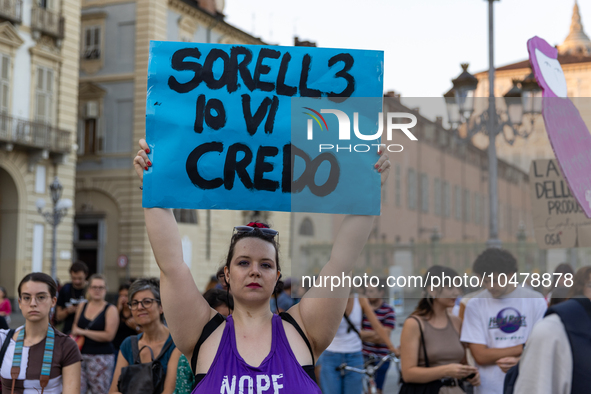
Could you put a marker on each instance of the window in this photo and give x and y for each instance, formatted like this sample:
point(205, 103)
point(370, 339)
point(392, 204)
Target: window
point(44, 95)
point(397, 182)
point(437, 196)
point(92, 141)
point(306, 227)
point(412, 189)
point(424, 193)
point(446, 199)
point(458, 198)
point(466, 205)
point(92, 43)
point(4, 90)
point(185, 215)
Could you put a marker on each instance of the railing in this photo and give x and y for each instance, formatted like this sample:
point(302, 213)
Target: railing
point(11, 10)
point(33, 135)
point(47, 22)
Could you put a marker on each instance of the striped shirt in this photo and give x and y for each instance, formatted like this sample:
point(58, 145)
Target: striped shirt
point(386, 316)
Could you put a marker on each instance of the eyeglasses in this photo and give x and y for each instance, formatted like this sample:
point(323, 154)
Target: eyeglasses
point(41, 298)
point(146, 303)
point(97, 287)
point(248, 229)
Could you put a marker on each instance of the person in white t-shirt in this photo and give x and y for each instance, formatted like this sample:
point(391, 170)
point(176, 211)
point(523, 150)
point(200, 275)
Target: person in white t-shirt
point(499, 320)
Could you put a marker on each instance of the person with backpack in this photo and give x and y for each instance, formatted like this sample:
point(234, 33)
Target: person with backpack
point(147, 362)
point(36, 358)
point(556, 356)
point(71, 295)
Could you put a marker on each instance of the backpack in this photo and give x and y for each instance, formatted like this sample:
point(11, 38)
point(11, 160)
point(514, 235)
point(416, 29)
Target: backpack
point(147, 378)
point(4, 347)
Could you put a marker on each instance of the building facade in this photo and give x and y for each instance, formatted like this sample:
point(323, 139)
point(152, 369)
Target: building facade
point(38, 118)
point(109, 222)
point(574, 55)
point(434, 206)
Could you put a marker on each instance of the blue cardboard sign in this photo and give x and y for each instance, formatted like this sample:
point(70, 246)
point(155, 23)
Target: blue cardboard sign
point(221, 126)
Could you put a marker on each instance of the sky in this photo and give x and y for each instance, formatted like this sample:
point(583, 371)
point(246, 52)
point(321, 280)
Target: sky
point(424, 41)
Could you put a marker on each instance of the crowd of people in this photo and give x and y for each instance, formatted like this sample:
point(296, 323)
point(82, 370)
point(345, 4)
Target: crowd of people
point(246, 332)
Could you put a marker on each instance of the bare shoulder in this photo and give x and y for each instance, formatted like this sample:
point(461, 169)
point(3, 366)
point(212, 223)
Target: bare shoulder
point(412, 323)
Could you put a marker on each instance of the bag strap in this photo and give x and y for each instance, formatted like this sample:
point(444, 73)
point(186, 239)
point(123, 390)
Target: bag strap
point(5, 345)
point(135, 351)
point(165, 348)
point(289, 318)
point(351, 326)
point(422, 342)
point(208, 329)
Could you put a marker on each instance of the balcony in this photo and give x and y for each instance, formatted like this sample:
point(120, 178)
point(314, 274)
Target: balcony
point(47, 22)
point(11, 10)
point(33, 136)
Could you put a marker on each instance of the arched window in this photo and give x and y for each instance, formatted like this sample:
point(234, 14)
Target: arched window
point(306, 227)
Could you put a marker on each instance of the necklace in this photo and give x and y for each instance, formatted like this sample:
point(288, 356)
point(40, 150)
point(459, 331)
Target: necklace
point(47, 358)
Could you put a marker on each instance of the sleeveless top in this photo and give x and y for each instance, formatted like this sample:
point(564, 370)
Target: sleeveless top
point(443, 345)
point(98, 324)
point(280, 372)
point(346, 340)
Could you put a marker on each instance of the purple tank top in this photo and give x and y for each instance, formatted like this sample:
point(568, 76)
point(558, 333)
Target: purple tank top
point(279, 373)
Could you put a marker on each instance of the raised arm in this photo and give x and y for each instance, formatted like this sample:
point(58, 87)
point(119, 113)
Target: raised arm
point(186, 310)
point(321, 309)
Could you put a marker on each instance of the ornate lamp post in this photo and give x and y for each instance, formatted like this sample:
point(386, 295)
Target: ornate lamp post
point(54, 217)
point(460, 107)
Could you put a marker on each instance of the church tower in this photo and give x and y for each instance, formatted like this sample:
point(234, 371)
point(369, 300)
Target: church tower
point(577, 42)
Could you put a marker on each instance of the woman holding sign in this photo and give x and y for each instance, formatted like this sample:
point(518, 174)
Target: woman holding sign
point(252, 350)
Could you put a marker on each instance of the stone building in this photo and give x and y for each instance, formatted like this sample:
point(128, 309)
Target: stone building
point(109, 222)
point(39, 44)
point(434, 206)
point(574, 55)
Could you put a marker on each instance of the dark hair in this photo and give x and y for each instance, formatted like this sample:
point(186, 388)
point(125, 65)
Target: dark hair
point(562, 268)
point(141, 284)
point(260, 235)
point(559, 295)
point(218, 297)
point(425, 305)
point(124, 286)
point(579, 281)
point(39, 277)
point(3, 291)
point(79, 266)
point(495, 260)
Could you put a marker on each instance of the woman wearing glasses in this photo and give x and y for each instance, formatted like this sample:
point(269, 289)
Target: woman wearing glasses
point(97, 321)
point(252, 350)
point(49, 360)
point(146, 309)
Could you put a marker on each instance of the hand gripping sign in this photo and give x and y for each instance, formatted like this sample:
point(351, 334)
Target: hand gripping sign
point(220, 128)
point(567, 132)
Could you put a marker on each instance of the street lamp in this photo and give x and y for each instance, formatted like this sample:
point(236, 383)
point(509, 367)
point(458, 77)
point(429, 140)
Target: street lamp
point(519, 102)
point(54, 217)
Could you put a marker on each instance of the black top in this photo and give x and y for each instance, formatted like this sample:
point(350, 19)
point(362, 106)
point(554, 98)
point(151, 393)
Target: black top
point(218, 319)
point(69, 295)
point(98, 324)
point(122, 332)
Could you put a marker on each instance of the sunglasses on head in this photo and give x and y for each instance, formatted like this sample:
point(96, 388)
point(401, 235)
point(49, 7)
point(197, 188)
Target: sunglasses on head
point(248, 229)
